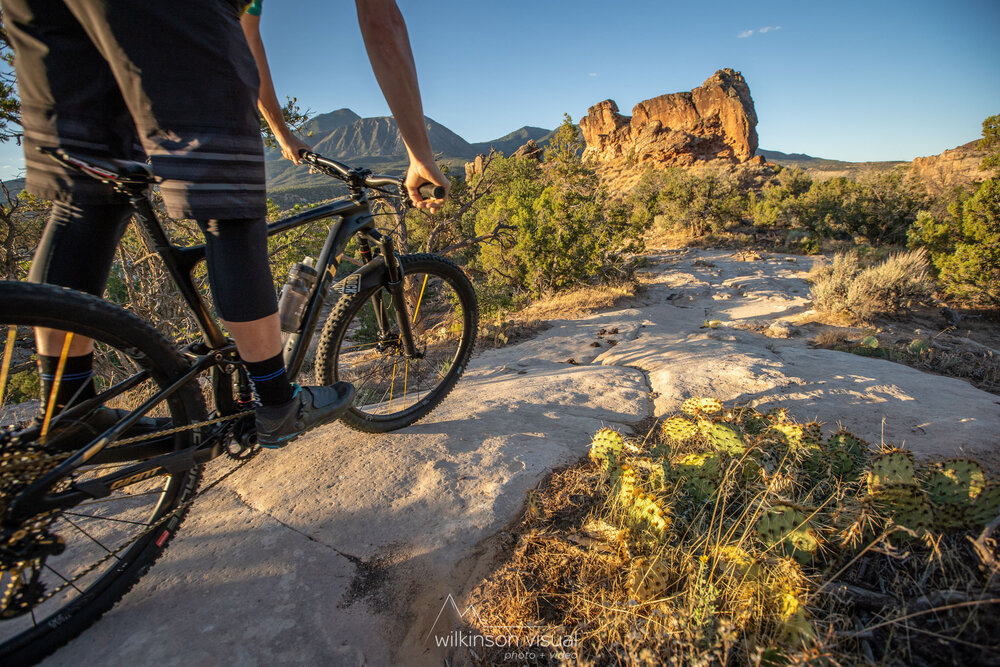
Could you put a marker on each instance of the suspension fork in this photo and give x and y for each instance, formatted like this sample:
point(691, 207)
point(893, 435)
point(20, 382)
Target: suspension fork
point(394, 283)
point(378, 306)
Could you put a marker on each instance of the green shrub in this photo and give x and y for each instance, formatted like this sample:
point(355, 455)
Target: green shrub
point(967, 247)
point(566, 228)
point(964, 245)
point(848, 286)
point(696, 203)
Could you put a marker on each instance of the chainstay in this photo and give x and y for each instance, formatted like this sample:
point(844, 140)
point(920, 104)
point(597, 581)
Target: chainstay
point(128, 441)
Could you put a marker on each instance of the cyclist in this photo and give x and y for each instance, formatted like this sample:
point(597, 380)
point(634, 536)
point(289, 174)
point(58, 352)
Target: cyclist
point(177, 82)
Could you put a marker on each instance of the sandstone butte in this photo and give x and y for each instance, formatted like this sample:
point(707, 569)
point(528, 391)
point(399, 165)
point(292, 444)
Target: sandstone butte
point(714, 123)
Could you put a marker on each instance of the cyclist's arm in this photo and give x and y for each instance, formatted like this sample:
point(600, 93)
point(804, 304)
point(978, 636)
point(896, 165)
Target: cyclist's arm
point(388, 45)
point(267, 100)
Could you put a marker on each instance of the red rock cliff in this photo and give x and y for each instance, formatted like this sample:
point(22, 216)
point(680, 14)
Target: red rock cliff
point(716, 121)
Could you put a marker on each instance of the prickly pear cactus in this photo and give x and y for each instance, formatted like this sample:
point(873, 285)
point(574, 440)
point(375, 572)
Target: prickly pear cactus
point(986, 508)
point(606, 446)
point(678, 429)
point(695, 407)
point(955, 482)
point(700, 473)
point(725, 437)
point(648, 579)
point(738, 563)
point(535, 508)
point(627, 484)
point(752, 422)
point(849, 443)
point(787, 526)
point(905, 504)
point(792, 434)
point(919, 346)
point(646, 508)
point(793, 622)
point(892, 467)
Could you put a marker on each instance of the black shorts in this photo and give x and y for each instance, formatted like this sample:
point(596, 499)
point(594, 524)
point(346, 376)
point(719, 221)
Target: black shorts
point(173, 80)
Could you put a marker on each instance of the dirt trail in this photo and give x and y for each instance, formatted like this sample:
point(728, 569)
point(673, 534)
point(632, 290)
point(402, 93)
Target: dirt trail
point(343, 548)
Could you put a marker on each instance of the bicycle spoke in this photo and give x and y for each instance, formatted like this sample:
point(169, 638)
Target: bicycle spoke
point(106, 518)
point(68, 581)
point(92, 538)
point(119, 498)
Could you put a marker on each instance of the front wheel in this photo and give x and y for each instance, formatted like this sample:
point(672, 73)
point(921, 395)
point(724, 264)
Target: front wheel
point(361, 344)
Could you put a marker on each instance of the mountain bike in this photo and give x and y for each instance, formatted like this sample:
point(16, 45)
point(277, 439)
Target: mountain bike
point(80, 523)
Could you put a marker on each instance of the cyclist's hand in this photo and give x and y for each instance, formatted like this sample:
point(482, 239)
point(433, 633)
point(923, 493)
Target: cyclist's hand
point(290, 147)
point(420, 173)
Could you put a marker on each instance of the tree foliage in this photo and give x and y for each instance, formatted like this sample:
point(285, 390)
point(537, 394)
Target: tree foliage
point(991, 143)
point(964, 245)
point(566, 229)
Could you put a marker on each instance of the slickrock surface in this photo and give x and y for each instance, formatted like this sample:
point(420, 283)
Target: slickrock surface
point(342, 548)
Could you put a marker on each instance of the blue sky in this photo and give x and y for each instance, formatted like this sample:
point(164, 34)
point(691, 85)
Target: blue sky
point(875, 80)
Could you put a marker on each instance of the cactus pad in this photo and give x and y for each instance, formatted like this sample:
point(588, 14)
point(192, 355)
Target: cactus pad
point(905, 504)
point(679, 429)
point(987, 506)
point(534, 502)
point(725, 437)
point(790, 433)
point(645, 507)
point(848, 442)
point(606, 446)
point(893, 467)
point(955, 482)
point(787, 526)
point(700, 473)
point(794, 624)
point(628, 481)
point(701, 406)
point(919, 346)
point(648, 579)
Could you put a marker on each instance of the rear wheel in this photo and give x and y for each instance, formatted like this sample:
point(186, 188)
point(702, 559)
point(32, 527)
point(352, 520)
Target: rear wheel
point(361, 344)
point(48, 595)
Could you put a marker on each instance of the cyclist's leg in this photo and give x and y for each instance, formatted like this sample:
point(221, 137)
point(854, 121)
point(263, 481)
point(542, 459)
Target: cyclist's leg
point(198, 121)
point(54, 59)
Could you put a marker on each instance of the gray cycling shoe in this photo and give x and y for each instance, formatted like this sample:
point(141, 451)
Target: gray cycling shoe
point(278, 425)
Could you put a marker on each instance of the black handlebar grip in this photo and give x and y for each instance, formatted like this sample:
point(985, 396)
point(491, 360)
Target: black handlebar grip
point(431, 191)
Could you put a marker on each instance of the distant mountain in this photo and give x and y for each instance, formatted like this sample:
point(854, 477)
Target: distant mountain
point(374, 143)
point(13, 186)
point(328, 122)
point(509, 143)
point(834, 167)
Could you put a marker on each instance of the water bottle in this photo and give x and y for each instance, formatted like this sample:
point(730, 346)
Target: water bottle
point(292, 303)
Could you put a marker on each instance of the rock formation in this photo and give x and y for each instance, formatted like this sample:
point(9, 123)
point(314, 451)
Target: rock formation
point(952, 168)
point(715, 123)
point(529, 151)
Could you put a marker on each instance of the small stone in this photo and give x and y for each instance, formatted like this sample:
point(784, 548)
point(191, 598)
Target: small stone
point(778, 330)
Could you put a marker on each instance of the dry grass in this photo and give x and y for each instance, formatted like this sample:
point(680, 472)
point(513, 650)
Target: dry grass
point(509, 328)
point(858, 580)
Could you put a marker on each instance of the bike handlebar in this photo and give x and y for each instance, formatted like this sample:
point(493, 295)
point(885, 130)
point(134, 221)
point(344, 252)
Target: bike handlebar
point(342, 171)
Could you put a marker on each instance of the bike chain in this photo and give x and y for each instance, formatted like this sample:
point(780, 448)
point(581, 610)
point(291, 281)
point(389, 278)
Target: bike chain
point(20, 597)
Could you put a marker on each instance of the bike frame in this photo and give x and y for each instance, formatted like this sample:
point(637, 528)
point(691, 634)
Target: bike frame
point(217, 353)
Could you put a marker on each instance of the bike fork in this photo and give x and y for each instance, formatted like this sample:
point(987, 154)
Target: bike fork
point(394, 283)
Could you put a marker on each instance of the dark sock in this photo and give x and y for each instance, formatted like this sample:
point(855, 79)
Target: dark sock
point(77, 377)
point(270, 382)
